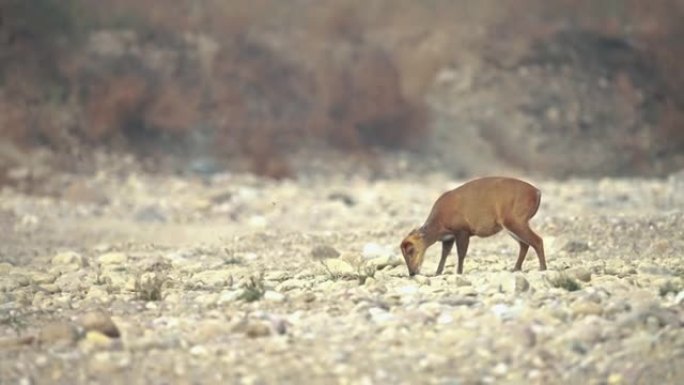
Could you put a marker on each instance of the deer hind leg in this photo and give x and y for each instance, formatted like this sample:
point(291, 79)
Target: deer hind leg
point(521, 255)
point(462, 241)
point(526, 237)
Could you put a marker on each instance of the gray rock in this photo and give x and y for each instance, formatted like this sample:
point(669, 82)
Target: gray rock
point(324, 252)
point(521, 284)
point(576, 247)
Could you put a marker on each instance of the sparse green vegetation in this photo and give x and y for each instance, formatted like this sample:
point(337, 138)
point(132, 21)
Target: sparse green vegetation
point(564, 281)
point(149, 286)
point(254, 290)
point(670, 287)
point(366, 271)
point(14, 320)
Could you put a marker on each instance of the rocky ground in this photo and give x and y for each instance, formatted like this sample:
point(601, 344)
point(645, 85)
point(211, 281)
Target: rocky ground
point(127, 277)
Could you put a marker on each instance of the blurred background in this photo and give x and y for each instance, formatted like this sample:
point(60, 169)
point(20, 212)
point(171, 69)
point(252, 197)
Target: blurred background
point(285, 88)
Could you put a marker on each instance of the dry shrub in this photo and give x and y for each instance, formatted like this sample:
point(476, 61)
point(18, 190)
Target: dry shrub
point(13, 118)
point(174, 108)
point(113, 103)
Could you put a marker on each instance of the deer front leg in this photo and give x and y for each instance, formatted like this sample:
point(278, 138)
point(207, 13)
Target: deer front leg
point(446, 249)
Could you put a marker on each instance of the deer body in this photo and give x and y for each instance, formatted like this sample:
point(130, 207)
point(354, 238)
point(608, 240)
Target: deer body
point(482, 208)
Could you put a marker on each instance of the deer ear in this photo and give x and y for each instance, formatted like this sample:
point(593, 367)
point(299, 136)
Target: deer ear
point(407, 248)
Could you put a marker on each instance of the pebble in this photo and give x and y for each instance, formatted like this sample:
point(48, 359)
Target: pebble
point(38, 277)
point(373, 250)
point(257, 329)
point(69, 258)
point(380, 263)
point(294, 283)
point(109, 362)
point(580, 273)
point(274, 296)
point(95, 340)
point(324, 252)
point(112, 258)
point(521, 284)
point(100, 322)
point(582, 308)
point(228, 296)
point(5, 268)
point(338, 268)
point(212, 279)
point(99, 294)
point(576, 247)
point(58, 332)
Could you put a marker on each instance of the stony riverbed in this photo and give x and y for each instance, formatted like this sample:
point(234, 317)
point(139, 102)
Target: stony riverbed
point(127, 277)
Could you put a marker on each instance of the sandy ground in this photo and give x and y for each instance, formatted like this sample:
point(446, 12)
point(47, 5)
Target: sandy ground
point(125, 277)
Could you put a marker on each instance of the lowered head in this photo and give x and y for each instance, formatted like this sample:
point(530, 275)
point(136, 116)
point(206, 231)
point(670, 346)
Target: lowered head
point(413, 248)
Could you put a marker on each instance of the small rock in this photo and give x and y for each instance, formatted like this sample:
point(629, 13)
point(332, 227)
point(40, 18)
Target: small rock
point(307, 297)
point(109, 362)
point(59, 332)
point(421, 279)
point(582, 308)
point(13, 342)
point(117, 281)
point(521, 284)
point(338, 268)
point(407, 290)
point(256, 329)
point(199, 350)
point(679, 298)
point(503, 311)
point(69, 258)
point(458, 281)
point(151, 213)
point(38, 277)
point(278, 276)
point(112, 258)
point(373, 250)
point(292, 284)
point(580, 273)
point(5, 268)
point(50, 288)
point(342, 197)
point(576, 247)
point(99, 294)
point(324, 252)
point(212, 279)
point(100, 322)
point(96, 340)
point(383, 262)
point(380, 315)
point(274, 296)
point(228, 296)
point(207, 300)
